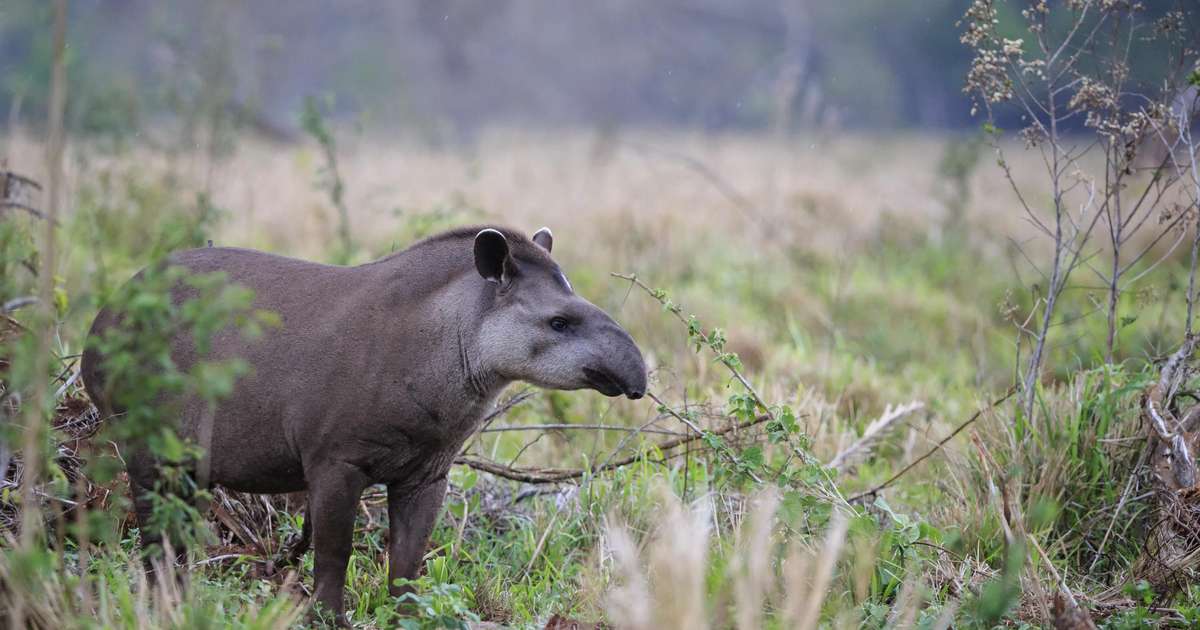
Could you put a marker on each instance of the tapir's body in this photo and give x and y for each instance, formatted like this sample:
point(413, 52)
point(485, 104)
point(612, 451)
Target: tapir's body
point(365, 368)
point(379, 373)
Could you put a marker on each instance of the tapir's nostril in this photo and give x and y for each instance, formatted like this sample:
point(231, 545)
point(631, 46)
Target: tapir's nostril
point(635, 395)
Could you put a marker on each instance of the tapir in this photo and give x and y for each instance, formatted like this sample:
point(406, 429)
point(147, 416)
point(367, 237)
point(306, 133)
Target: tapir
point(377, 374)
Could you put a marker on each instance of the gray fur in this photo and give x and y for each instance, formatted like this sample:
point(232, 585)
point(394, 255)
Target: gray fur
point(379, 373)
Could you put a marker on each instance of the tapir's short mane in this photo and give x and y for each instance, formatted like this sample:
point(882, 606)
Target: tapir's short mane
point(519, 245)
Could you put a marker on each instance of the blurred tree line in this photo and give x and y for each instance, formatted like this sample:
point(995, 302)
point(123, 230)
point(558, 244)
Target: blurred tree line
point(456, 65)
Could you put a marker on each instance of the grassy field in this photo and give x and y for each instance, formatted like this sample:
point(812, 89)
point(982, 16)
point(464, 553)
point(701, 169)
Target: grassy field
point(852, 276)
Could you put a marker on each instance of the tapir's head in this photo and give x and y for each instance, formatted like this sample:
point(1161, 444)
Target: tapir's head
point(535, 328)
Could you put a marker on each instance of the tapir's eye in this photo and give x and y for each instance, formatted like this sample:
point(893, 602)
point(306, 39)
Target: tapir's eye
point(558, 323)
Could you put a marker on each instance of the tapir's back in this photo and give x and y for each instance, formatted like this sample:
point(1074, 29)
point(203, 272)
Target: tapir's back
point(287, 287)
point(289, 364)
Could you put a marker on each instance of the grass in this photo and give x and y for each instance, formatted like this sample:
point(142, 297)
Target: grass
point(840, 282)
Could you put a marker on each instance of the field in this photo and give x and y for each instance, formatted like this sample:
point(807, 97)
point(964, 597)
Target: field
point(869, 286)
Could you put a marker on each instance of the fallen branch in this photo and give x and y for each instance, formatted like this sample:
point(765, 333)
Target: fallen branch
point(936, 447)
point(578, 427)
point(1170, 556)
point(17, 303)
point(557, 475)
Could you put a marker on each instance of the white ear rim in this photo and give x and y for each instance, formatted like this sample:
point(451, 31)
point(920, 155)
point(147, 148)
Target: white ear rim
point(493, 231)
point(503, 238)
point(549, 238)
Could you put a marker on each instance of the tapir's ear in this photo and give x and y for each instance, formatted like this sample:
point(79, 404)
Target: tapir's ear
point(544, 238)
point(491, 256)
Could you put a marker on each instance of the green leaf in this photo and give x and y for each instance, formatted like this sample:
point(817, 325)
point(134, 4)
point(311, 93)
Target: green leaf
point(753, 457)
point(712, 441)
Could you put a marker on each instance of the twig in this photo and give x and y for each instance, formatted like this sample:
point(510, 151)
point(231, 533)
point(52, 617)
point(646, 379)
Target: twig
point(698, 430)
point(581, 427)
point(703, 338)
point(556, 475)
point(936, 447)
point(674, 414)
point(629, 436)
point(1058, 578)
point(65, 386)
point(30, 209)
point(227, 556)
point(504, 407)
point(537, 551)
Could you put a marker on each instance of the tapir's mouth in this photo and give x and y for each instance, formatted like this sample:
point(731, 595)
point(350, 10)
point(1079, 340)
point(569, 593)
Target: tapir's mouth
point(603, 382)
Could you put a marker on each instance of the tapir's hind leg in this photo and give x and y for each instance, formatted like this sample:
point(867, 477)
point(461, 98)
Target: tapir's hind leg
point(333, 492)
point(143, 476)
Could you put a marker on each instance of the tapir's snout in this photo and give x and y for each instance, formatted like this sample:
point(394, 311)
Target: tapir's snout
point(635, 386)
point(620, 368)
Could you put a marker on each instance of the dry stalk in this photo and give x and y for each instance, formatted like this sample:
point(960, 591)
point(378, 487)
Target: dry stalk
point(873, 433)
point(753, 561)
point(34, 408)
point(831, 550)
point(937, 447)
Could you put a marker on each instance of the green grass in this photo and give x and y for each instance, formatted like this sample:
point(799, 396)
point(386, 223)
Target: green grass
point(904, 316)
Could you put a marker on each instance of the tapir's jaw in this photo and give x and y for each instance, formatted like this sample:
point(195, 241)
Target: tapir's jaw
point(629, 378)
point(603, 382)
point(622, 365)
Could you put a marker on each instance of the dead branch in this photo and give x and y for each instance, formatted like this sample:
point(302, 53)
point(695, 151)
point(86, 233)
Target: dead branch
point(578, 427)
point(558, 475)
point(1163, 423)
point(1171, 556)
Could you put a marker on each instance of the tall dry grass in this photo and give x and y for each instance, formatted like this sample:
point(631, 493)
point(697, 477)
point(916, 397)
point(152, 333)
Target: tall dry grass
point(746, 215)
point(825, 197)
point(665, 580)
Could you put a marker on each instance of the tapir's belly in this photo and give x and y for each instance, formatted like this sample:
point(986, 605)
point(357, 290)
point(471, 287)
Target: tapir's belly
point(265, 476)
point(249, 452)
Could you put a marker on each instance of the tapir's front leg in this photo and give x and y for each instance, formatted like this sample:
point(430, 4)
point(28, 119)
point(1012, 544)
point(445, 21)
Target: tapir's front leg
point(334, 490)
point(411, 515)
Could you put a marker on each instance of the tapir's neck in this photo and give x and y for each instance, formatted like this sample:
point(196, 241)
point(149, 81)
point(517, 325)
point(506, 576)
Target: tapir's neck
point(439, 312)
point(479, 378)
point(437, 301)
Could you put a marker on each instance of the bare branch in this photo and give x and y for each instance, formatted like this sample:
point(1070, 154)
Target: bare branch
point(558, 475)
point(878, 488)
